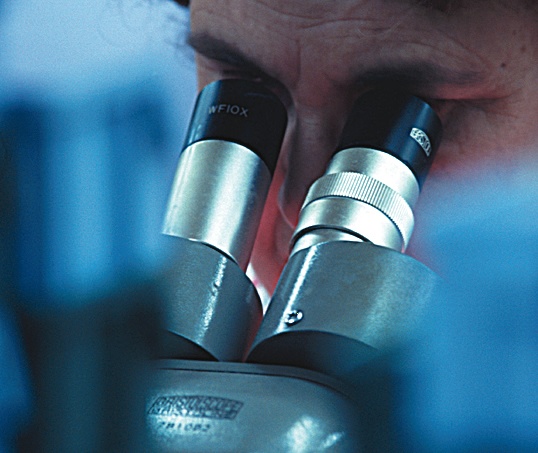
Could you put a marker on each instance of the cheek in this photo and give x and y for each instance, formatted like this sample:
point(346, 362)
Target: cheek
point(204, 73)
point(478, 132)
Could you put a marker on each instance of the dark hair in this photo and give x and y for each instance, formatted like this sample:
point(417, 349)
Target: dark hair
point(442, 5)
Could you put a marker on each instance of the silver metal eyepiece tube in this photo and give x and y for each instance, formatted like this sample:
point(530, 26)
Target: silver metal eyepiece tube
point(365, 195)
point(222, 186)
point(226, 167)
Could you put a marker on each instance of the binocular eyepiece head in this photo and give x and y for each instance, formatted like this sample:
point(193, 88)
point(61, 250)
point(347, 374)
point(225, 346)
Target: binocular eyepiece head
point(363, 201)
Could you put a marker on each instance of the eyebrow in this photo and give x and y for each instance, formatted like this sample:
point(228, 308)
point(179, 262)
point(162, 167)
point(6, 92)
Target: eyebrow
point(419, 74)
point(219, 50)
point(410, 75)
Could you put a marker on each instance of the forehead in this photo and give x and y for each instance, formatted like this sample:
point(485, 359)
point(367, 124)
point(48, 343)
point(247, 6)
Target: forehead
point(303, 42)
point(330, 25)
point(280, 33)
point(293, 36)
point(301, 13)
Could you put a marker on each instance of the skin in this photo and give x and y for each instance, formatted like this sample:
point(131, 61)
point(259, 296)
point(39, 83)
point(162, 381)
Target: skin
point(476, 64)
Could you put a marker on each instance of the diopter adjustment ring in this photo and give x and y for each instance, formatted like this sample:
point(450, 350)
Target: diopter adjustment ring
point(363, 188)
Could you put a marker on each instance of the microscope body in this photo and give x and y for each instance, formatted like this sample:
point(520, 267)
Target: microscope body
point(199, 406)
point(311, 374)
point(307, 383)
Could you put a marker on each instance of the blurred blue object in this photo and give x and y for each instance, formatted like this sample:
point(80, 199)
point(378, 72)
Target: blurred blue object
point(92, 177)
point(83, 186)
point(472, 372)
point(15, 392)
point(92, 119)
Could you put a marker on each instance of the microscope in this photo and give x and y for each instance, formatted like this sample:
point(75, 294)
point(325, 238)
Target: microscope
point(313, 373)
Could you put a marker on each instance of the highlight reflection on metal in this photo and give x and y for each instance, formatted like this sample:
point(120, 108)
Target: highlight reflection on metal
point(209, 307)
point(294, 317)
point(364, 193)
point(217, 197)
point(308, 434)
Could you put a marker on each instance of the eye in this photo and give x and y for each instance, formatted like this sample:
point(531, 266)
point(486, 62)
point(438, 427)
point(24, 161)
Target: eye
point(237, 73)
point(221, 69)
point(438, 105)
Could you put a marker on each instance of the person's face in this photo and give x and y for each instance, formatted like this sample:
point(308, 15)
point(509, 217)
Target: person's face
point(476, 64)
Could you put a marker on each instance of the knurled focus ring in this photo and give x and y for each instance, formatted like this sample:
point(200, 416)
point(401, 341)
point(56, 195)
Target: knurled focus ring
point(363, 188)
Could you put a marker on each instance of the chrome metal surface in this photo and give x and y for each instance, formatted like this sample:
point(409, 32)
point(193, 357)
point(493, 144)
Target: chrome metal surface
point(322, 235)
point(378, 165)
point(352, 216)
point(364, 192)
point(218, 196)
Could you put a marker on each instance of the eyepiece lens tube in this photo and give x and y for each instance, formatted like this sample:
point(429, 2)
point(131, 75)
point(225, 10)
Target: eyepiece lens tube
point(213, 214)
point(225, 170)
point(374, 178)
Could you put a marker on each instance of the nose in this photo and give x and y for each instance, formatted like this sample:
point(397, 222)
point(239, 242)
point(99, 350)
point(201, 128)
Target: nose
point(311, 139)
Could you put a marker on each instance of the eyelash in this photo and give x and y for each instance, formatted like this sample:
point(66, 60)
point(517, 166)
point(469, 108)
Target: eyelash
point(226, 70)
point(249, 75)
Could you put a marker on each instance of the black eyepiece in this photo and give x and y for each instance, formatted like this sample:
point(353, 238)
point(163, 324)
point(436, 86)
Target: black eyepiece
point(243, 112)
point(397, 123)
